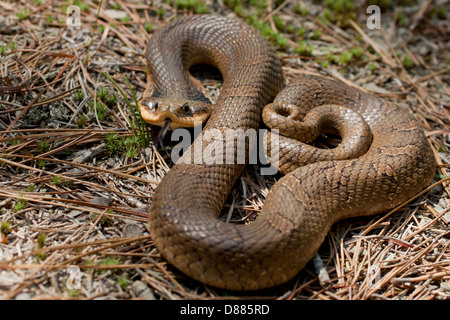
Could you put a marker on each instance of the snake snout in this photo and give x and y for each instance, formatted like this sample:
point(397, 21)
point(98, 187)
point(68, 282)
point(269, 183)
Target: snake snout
point(181, 113)
point(157, 111)
point(194, 111)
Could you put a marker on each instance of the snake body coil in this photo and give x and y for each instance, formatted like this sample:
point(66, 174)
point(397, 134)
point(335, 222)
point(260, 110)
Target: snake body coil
point(381, 164)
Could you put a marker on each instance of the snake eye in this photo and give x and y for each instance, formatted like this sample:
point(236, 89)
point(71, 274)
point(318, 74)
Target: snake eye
point(152, 105)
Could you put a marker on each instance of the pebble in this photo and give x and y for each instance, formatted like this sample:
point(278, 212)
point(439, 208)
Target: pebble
point(23, 296)
point(101, 201)
point(132, 230)
point(141, 290)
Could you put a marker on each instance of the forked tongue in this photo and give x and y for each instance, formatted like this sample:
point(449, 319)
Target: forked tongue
point(162, 133)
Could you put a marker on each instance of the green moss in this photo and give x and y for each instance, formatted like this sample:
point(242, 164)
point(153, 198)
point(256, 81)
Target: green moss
point(105, 220)
point(383, 4)
point(197, 6)
point(5, 227)
point(357, 52)
point(331, 57)
point(111, 100)
point(437, 13)
point(81, 121)
point(41, 163)
point(324, 63)
point(131, 152)
point(102, 93)
point(84, 7)
point(402, 20)
point(79, 95)
point(99, 108)
point(56, 180)
point(125, 19)
point(279, 23)
point(281, 42)
point(43, 145)
point(290, 29)
point(50, 18)
point(345, 58)
point(22, 14)
point(299, 10)
point(41, 240)
point(15, 142)
point(30, 188)
point(112, 142)
point(123, 282)
point(407, 62)
point(201, 9)
point(301, 32)
point(109, 261)
point(316, 34)
point(73, 293)
point(339, 11)
point(304, 49)
point(160, 12)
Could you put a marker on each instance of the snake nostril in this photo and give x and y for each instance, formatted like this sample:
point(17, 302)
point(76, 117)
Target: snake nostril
point(187, 109)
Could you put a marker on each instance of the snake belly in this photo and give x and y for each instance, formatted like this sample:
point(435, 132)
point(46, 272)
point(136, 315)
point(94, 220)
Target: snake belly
point(301, 207)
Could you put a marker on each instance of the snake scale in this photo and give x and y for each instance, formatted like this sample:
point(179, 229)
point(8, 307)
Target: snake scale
point(383, 159)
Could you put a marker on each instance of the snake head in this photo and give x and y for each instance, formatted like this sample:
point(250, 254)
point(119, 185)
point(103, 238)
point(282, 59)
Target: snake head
point(181, 113)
